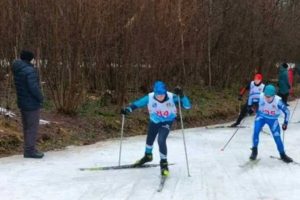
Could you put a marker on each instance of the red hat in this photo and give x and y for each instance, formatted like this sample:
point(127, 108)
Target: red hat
point(258, 77)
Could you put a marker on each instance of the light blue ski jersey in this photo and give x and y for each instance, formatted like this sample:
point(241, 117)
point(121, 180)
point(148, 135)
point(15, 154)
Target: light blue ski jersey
point(254, 93)
point(161, 111)
point(272, 110)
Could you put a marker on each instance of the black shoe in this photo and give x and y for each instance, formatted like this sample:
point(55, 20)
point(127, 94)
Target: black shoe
point(164, 167)
point(147, 158)
point(285, 158)
point(34, 154)
point(235, 124)
point(253, 155)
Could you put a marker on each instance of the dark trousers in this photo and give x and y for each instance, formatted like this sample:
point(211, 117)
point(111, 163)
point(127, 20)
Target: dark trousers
point(30, 120)
point(245, 109)
point(284, 97)
point(162, 130)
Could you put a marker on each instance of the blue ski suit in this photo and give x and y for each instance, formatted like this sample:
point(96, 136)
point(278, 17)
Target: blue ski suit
point(268, 113)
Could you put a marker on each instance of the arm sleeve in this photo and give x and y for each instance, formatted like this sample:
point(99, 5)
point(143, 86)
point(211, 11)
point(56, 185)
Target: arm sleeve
point(285, 110)
point(185, 102)
point(244, 89)
point(33, 86)
point(142, 102)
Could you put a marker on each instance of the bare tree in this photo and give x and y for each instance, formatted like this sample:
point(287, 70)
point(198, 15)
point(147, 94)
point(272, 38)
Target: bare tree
point(98, 46)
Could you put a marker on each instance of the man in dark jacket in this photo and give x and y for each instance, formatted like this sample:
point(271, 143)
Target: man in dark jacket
point(29, 99)
point(283, 83)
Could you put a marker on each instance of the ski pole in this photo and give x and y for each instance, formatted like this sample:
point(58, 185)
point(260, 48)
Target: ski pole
point(294, 109)
point(283, 136)
point(184, 144)
point(235, 132)
point(121, 138)
point(290, 119)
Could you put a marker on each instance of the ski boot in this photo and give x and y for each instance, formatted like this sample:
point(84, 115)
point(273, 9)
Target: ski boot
point(34, 154)
point(253, 154)
point(235, 124)
point(285, 158)
point(164, 167)
point(147, 158)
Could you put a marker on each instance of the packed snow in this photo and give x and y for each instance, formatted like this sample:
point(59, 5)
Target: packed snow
point(215, 174)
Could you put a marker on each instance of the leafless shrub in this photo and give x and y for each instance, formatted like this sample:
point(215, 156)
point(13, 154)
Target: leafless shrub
point(124, 45)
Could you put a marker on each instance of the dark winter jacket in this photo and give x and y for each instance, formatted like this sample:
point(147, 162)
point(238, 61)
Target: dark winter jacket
point(298, 68)
point(29, 95)
point(283, 81)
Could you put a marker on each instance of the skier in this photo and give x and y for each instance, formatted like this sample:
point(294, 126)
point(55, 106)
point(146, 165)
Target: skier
point(269, 108)
point(162, 112)
point(255, 87)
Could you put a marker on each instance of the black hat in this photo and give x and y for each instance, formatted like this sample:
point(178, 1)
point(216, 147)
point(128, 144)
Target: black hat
point(284, 65)
point(26, 55)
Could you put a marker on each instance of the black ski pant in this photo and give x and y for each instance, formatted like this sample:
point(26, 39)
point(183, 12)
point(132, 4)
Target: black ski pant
point(161, 129)
point(284, 97)
point(245, 109)
point(30, 120)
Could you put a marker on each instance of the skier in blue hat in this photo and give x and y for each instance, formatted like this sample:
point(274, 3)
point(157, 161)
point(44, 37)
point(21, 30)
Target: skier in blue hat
point(162, 112)
point(269, 107)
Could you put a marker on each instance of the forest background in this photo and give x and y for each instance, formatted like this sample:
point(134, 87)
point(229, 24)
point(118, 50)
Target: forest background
point(96, 56)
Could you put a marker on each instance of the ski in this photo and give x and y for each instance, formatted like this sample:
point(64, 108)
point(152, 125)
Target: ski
point(223, 126)
point(277, 158)
point(162, 183)
point(295, 122)
point(249, 163)
point(130, 166)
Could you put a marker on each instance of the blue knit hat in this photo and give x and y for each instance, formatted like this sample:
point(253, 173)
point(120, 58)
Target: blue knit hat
point(159, 88)
point(270, 90)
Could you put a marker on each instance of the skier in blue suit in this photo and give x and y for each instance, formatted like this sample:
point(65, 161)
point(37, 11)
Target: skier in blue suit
point(269, 107)
point(162, 112)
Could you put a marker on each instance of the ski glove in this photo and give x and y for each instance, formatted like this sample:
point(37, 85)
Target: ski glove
point(126, 111)
point(240, 98)
point(178, 91)
point(284, 126)
point(254, 107)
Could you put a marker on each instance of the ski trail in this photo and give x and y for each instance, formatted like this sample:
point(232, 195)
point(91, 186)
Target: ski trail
point(139, 183)
point(177, 184)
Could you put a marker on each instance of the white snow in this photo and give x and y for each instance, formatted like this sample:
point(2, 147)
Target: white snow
point(44, 122)
point(4, 111)
point(8, 113)
point(215, 175)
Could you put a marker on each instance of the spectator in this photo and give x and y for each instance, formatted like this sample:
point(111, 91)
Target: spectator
point(283, 83)
point(29, 99)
